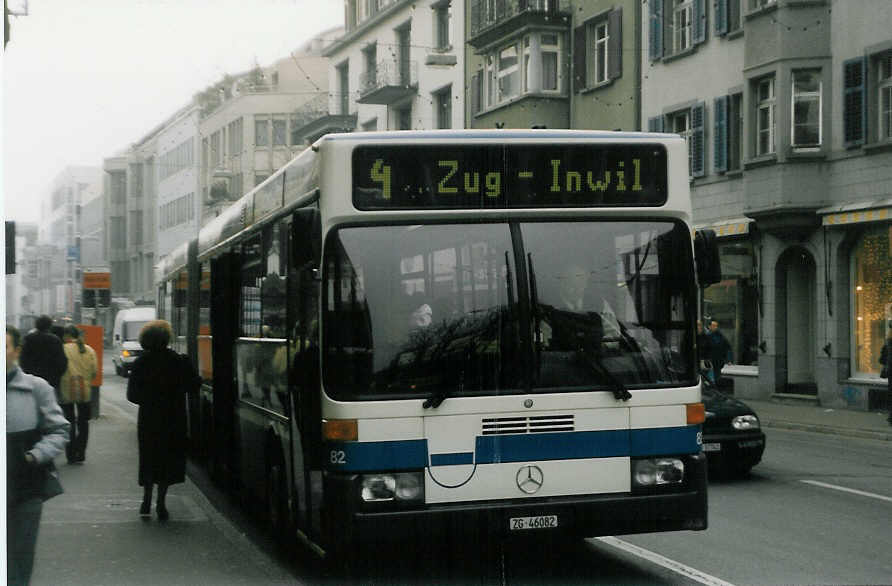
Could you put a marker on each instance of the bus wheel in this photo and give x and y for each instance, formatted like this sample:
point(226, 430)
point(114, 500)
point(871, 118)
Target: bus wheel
point(276, 501)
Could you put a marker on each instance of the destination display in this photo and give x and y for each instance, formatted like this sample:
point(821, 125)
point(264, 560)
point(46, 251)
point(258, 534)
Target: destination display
point(508, 176)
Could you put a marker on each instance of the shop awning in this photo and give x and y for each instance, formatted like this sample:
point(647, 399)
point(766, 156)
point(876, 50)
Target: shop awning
point(876, 210)
point(730, 227)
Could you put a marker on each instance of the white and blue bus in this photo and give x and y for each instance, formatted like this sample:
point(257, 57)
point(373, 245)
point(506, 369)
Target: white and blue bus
point(407, 332)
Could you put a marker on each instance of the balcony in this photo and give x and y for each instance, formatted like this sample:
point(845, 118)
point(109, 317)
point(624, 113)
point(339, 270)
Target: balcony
point(391, 81)
point(311, 120)
point(492, 20)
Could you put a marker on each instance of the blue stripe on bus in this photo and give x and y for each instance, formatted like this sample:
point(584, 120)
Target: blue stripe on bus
point(665, 440)
point(493, 449)
point(413, 454)
point(394, 455)
point(454, 459)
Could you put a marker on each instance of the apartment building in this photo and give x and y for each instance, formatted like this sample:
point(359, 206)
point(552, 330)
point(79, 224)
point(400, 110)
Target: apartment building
point(786, 106)
point(399, 66)
point(252, 123)
point(553, 64)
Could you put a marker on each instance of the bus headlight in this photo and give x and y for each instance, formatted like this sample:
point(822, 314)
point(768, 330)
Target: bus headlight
point(742, 422)
point(404, 486)
point(657, 471)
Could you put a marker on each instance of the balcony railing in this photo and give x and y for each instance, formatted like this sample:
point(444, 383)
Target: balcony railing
point(391, 80)
point(486, 14)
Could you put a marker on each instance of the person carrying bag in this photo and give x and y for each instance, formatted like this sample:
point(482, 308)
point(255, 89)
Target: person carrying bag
point(36, 432)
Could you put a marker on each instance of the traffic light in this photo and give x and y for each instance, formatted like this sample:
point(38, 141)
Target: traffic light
point(10, 248)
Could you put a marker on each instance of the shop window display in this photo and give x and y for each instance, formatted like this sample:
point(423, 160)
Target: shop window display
point(733, 302)
point(872, 298)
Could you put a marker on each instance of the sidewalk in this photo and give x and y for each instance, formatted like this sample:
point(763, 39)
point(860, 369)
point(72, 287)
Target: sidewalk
point(92, 534)
point(804, 417)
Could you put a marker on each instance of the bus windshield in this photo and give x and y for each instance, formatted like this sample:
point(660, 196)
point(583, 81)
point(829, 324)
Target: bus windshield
point(501, 308)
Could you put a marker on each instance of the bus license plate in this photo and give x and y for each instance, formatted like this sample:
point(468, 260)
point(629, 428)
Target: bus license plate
point(541, 522)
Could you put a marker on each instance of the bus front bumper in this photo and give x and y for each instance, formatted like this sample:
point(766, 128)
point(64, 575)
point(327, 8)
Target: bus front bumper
point(685, 508)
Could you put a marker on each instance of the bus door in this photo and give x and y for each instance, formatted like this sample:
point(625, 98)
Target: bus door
point(303, 365)
point(224, 321)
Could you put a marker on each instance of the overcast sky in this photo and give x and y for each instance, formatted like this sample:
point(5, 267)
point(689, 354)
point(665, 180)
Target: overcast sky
point(83, 79)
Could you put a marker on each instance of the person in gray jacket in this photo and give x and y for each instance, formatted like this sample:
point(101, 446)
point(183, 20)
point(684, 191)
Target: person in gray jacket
point(36, 432)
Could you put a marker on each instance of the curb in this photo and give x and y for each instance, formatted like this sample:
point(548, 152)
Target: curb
point(828, 429)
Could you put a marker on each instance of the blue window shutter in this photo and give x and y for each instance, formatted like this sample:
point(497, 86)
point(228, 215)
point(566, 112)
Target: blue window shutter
point(699, 17)
point(656, 29)
point(854, 115)
point(721, 17)
point(698, 158)
point(655, 124)
point(720, 134)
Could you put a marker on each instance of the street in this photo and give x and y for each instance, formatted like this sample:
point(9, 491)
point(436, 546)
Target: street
point(814, 511)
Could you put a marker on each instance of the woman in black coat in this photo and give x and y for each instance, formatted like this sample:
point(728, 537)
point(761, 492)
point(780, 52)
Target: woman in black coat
point(159, 382)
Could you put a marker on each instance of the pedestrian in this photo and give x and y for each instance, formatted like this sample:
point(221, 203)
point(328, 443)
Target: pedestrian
point(74, 391)
point(36, 432)
point(720, 350)
point(159, 382)
point(42, 353)
point(886, 372)
point(704, 350)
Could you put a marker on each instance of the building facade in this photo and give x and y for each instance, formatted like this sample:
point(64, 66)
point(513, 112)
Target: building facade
point(790, 159)
point(252, 123)
point(60, 234)
point(553, 64)
point(399, 66)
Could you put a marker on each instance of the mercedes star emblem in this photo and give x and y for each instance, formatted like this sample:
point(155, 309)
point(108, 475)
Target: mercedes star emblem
point(530, 479)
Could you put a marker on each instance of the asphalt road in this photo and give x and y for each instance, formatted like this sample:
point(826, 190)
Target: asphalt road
point(818, 509)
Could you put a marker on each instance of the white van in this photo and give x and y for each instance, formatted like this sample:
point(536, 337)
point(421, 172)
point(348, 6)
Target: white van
point(125, 338)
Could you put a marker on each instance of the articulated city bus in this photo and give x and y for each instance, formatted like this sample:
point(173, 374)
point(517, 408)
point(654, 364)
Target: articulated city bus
point(407, 332)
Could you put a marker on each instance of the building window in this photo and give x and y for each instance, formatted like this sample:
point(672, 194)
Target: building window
point(506, 78)
point(806, 126)
point(765, 116)
point(726, 16)
point(280, 132)
point(261, 132)
point(508, 73)
point(598, 73)
point(675, 26)
point(601, 61)
point(872, 298)
point(235, 138)
point(442, 101)
point(260, 178)
point(884, 77)
point(687, 123)
point(682, 15)
point(442, 24)
point(733, 302)
point(343, 90)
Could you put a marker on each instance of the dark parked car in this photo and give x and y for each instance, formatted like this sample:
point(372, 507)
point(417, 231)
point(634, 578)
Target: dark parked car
point(732, 437)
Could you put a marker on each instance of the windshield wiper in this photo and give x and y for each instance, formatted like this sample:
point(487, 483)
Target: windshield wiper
point(441, 394)
point(620, 392)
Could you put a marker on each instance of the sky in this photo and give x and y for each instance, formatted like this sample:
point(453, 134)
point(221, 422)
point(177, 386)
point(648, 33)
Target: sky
point(82, 80)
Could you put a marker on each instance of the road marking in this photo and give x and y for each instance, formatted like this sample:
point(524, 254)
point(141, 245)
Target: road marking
point(851, 490)
point(677, 567)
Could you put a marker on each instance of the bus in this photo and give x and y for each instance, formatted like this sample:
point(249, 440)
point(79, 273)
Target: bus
point(407, 333)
